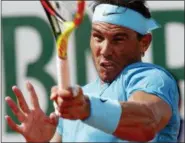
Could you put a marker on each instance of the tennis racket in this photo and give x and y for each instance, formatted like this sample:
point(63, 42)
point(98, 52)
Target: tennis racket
point(59, 14)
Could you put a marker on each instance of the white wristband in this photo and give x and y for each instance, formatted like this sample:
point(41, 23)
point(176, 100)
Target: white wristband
point(104, 115)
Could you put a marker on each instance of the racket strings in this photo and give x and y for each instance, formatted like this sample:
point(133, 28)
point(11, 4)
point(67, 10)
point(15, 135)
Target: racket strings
point(68, 26)
point(52, 11)
point(62, 41)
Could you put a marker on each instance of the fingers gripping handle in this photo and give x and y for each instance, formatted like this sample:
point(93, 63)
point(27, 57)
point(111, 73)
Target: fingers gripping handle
point(75, 91)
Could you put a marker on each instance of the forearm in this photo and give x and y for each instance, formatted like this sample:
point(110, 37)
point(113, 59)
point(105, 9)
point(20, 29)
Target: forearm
point(138, 122)
point(101, 113)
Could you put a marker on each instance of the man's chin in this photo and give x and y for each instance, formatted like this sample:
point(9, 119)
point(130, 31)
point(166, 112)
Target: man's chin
point(106, 78)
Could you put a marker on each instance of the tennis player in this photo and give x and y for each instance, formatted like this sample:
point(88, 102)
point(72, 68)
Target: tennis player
point(129, 101)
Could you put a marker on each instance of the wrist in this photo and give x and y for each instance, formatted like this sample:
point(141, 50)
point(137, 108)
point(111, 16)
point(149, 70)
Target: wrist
point(104, 114)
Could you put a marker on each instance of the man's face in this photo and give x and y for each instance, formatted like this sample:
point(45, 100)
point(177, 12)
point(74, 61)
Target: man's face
point(113, 47)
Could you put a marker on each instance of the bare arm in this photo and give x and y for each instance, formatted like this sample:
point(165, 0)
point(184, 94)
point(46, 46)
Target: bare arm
point(142, 117)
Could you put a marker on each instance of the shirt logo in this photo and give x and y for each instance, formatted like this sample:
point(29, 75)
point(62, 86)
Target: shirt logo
point(110, 13)
point(106, 13)
point(103, 100)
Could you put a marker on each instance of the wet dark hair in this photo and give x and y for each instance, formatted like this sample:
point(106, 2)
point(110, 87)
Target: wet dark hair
point(136, 5)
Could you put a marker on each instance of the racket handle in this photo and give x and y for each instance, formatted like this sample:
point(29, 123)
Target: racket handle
point(63, 73)
point(62, 76)
point(55, 107)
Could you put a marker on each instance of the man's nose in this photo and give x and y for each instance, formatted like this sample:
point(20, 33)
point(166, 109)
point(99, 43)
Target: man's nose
point(106, 49)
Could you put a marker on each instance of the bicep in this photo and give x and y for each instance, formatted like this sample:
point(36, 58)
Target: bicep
point(160, 109)
point(56, 138)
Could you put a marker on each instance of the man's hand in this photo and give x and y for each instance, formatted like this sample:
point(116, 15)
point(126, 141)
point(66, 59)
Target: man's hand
point(35, 125)
point(72, 104)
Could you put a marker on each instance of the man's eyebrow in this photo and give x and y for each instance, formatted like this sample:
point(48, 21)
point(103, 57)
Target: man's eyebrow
point(121, 34)
point(95, 30)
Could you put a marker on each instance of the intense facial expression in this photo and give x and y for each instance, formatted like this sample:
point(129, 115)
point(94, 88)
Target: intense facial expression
point(113, 47)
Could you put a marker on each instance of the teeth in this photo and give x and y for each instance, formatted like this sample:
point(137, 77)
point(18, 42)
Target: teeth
point(108, 66)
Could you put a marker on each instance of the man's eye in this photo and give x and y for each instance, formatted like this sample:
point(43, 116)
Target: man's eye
point(120, 39)
point(98, 37)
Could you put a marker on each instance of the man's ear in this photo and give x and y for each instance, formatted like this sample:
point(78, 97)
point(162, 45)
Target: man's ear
point(145, 42)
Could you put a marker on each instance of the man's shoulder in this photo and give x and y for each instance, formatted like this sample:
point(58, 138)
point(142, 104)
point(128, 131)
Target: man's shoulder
point(146, 69)
point(147, 72)
point(152, 79)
